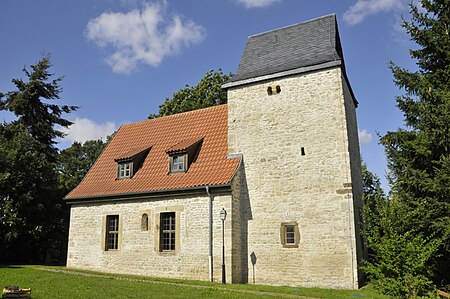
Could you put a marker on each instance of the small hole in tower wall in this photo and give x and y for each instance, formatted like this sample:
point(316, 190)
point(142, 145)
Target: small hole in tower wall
point(278, 88)
point(303, 151)
point(269, 90)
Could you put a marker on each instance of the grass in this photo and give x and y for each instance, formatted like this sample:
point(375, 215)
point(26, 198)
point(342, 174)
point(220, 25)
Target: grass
point(46, 283)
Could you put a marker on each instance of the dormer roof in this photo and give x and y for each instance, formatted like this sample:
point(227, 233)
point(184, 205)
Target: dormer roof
point(295, 48)
point(184, 145)
point(175, 132)
point(129, 155)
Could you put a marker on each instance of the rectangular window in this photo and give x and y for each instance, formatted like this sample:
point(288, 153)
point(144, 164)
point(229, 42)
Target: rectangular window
point(112, 232)
point(290, 235)
point(168, 228)
point(177, 164)
point(124, 170)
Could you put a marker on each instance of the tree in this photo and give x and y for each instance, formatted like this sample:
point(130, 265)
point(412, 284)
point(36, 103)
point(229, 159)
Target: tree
point(398, 262)
point(208, 92)
point(374, 200)
point(419, 155)
point(38, 118)
point(30, 202)
point(75, 162)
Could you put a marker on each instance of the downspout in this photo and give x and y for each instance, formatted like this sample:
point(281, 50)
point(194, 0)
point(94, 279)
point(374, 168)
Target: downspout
point(210, 235)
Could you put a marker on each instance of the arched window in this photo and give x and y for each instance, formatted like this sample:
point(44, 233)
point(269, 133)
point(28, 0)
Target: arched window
point(144, 222)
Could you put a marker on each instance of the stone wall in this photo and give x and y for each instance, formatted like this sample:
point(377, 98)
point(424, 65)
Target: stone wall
point(241, 213)
point(295, 145)
point(356, 174)
point(138, 251)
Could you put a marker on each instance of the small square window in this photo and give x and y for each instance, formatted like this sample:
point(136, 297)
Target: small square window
point(290, 235)
point(124, 171)
point(177, 163)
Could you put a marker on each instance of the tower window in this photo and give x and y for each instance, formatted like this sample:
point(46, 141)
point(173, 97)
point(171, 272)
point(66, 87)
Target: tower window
point(272, 90)
point(290, 235)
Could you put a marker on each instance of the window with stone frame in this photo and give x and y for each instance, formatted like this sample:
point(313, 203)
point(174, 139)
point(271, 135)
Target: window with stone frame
point(112, 232)
point(167, 231)
point(144, 222)
point(290, 235)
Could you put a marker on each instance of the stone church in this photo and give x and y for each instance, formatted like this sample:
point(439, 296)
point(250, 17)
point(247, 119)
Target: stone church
point(281, 159)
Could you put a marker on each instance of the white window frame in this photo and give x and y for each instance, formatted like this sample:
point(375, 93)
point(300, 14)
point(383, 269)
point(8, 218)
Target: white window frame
point(124, 170)
point(290, 234)
point(178, 163)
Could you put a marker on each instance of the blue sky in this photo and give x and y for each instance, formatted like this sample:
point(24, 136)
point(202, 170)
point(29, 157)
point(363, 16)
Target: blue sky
point(121, 58)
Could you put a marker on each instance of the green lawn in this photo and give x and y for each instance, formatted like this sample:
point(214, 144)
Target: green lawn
point(48, 285)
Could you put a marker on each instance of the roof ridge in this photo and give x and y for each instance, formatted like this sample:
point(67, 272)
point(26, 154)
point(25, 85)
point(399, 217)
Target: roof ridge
point(173, 115)
point(293, 25)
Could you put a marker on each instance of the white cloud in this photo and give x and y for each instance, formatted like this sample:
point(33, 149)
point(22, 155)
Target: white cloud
point(364, 137)
point(363, 8)
point(144, 35)
point(84, 129)
point(399, 33)
point(257, 3)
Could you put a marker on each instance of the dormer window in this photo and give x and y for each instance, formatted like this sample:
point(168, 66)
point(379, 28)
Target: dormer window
point(177, 163)
point(130, 162)
point(124, 170)
point(182, 154)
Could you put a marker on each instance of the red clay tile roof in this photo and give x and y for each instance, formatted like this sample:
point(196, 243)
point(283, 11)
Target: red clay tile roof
point(210, 168)
point(131, 153)
point(184, 145)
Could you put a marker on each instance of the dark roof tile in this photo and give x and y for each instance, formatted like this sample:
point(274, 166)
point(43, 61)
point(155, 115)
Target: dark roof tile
point(304, 44)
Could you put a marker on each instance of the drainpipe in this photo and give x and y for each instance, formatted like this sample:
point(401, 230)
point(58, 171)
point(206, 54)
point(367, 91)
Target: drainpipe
point(210, 236)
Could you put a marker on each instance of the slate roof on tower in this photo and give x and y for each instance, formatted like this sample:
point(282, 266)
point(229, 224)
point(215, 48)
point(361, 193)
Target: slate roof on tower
point(311, 43)
point(160, 137)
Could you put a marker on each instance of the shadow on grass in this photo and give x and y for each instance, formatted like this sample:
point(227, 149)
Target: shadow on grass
point(11, 266)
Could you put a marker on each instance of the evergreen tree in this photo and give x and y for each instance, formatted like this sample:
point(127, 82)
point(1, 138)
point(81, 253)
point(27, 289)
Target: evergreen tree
point(417, 221)
point(208, 92)
point(31, 209)
point(38, 118)
point(374, 201)
point(398, 260)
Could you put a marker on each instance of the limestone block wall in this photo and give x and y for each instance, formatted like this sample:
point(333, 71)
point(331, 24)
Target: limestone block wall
point(356, 172)
point(295, 147)
point(138, 251)
point(239, 230)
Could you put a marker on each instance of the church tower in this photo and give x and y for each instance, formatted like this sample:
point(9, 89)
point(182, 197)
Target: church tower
point(291, 115)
